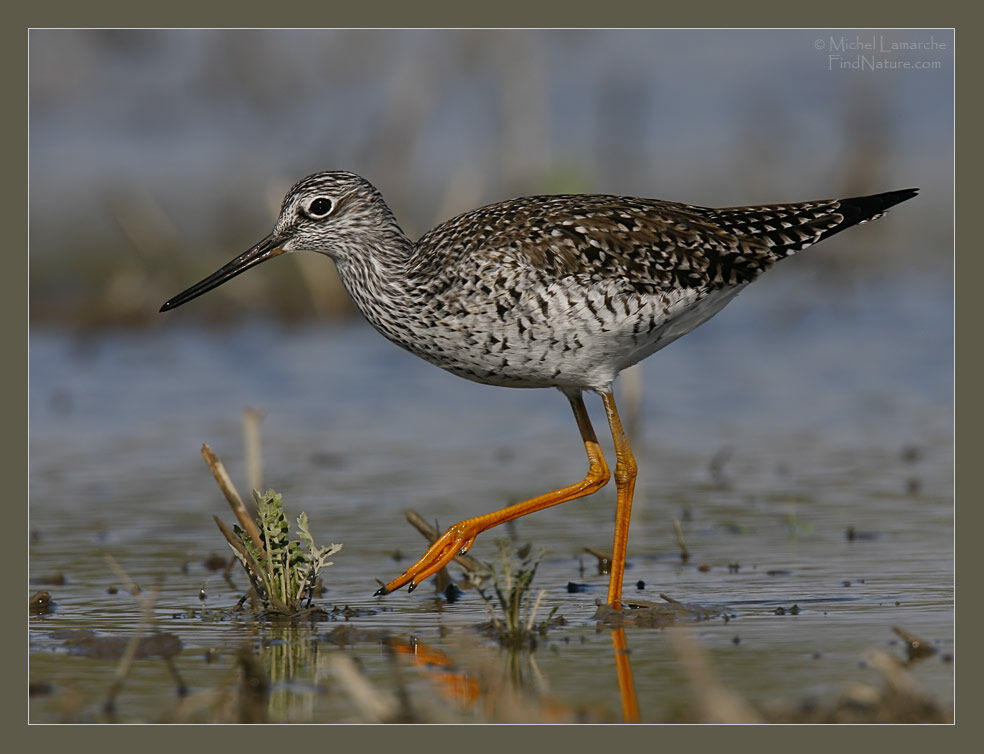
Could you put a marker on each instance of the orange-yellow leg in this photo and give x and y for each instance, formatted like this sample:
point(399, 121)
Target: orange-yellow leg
point(625, 476)
point(623, 671)
point(458, 538)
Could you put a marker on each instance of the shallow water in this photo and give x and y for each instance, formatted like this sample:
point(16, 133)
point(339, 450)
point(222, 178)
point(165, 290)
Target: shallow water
point(793, 416)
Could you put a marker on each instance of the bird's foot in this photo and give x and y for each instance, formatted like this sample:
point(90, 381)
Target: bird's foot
point(455, 541)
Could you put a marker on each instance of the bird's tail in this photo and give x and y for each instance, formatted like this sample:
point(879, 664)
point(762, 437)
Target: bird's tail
point(861, 209)
point(788, 228)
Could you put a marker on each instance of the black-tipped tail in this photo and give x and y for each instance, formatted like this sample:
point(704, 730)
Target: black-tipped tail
point(861, 209)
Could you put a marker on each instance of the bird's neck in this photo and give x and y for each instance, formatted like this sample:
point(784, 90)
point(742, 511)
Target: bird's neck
point(375, 277)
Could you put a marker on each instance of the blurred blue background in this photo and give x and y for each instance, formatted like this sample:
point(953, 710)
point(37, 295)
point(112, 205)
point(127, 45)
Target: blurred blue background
point(156, 155)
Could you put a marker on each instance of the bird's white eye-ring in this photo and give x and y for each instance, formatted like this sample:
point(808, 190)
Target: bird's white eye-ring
point(320, 208)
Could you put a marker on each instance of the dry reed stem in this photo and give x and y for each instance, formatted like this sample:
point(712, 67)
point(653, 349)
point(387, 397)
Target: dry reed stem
point(232, 496)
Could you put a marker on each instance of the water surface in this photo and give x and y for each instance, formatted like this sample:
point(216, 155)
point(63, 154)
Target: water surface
point(797, 414)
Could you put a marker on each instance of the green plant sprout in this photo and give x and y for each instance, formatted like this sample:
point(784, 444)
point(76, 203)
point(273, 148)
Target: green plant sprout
point(283, 572)
point(513, 591)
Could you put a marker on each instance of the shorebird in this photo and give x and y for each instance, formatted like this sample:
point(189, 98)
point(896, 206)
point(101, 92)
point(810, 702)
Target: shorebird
point(560, 291)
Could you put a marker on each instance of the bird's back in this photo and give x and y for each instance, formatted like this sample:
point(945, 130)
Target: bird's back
point(568, 290)
point(649, 244)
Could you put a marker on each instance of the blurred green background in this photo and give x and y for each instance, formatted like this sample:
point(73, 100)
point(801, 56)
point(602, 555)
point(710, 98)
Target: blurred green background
point(156, 155)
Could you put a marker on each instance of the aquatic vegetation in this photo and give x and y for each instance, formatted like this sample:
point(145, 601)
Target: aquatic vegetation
point(283, 572)
point(511, 583)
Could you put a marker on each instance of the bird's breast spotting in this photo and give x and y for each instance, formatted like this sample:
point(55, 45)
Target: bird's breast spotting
point(557, 334)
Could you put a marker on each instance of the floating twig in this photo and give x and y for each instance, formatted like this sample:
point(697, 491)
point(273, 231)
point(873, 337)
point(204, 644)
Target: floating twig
point(604, 560)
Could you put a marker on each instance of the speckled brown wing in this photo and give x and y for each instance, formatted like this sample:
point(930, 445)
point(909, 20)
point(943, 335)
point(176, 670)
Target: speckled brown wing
point(646, 245)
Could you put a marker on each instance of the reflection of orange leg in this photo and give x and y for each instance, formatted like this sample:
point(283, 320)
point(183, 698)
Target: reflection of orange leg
point(623, 668)
point(625, 476)
point(460, 537)
point(455, 684)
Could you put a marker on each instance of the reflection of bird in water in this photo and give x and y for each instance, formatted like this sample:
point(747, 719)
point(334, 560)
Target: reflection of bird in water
point(544, 291)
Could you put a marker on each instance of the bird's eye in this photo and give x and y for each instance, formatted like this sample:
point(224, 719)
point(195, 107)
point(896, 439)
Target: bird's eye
point(320, 207)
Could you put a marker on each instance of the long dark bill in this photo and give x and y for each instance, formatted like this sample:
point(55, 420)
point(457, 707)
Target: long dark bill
point(266, 249)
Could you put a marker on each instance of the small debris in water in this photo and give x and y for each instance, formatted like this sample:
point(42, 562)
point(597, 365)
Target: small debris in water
point(853, 535)
point(604, 560)
point(911, 453)
point(645, 614)
point(351, 612)
point(215, 562)
point(50, 579)
point(778, 572)
point(915, 648)
point(87, 644)
point(452, 593)
point(40, 603)
point(704, 567)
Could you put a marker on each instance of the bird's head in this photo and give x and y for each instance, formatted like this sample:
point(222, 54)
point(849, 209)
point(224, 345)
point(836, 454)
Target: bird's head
point(335, 213)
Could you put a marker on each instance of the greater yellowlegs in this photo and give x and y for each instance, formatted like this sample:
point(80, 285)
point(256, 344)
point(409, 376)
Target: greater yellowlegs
point(545, 291)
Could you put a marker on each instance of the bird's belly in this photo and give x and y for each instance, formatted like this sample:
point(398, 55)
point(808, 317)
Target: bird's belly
point(577, 347)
